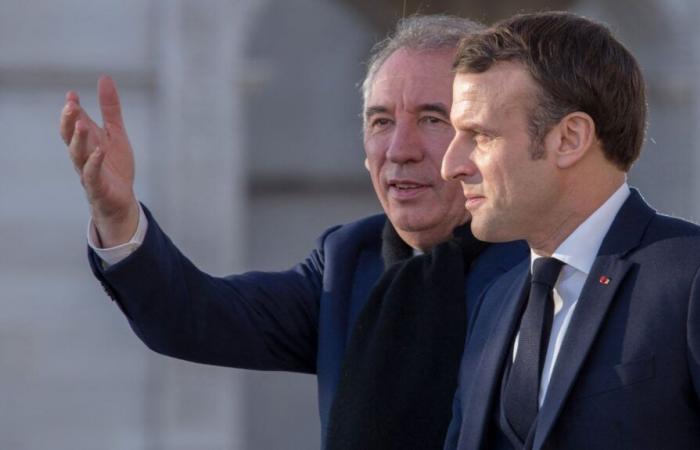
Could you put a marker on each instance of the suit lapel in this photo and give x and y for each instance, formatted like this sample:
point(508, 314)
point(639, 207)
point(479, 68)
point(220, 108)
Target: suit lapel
point(495, 342)
point(604, 280)
point(594, 301)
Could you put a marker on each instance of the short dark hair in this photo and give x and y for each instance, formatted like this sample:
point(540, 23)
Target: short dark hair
point(578, 65)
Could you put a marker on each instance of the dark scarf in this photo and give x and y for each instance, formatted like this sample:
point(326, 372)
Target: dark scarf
point(402, 360)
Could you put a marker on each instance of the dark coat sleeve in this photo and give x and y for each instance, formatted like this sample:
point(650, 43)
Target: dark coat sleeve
point(256, 320)
point(694, 333)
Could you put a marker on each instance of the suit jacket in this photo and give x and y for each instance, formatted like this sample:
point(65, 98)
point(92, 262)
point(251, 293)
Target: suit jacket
point(628, 372)
point(295, 320)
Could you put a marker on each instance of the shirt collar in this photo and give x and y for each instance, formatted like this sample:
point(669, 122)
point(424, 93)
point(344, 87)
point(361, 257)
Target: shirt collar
point(581, 247)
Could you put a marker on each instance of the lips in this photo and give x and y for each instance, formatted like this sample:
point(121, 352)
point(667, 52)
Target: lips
point(405, 186)
point(472, 201)
point(406, 189)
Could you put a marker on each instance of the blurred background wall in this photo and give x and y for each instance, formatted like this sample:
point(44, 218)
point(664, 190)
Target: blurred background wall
point(244, 115)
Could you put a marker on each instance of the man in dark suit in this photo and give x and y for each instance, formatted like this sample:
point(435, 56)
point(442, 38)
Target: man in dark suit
point(302, 319)
point(595, 342)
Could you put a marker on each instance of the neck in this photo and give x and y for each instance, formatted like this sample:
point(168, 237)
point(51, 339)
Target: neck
point(575, 207)
point(422, 241)
point(425, 239)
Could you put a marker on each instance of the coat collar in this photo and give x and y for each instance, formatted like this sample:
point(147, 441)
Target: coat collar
point(495, 327)
point(606, 277)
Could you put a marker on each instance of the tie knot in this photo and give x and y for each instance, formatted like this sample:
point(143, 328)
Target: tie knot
point(546, 270)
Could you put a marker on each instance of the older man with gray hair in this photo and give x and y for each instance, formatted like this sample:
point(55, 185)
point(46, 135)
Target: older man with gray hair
point(384, 339)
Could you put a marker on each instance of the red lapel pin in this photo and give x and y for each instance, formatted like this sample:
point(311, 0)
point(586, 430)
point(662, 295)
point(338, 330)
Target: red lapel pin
point(604, 280)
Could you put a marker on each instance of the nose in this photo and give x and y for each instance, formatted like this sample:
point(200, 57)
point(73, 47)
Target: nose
point(457, 164)
point(405, 145)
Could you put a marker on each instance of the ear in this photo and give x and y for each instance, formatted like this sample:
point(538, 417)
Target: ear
point(571, 139)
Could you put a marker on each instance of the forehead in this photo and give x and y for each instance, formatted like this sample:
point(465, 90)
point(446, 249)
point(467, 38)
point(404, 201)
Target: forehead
point(505, 88)
point(411, 76)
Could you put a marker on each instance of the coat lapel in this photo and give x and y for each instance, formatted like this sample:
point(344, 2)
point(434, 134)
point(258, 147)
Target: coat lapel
point(593, 303)
point(500, 317)
point(606, 276)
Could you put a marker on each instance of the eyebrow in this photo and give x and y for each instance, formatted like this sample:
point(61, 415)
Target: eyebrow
point(425, 107)
point(476, 128)
point(435, 107)
point(372, 110)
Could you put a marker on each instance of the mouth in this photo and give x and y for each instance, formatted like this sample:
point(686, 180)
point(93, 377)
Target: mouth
point(406, 189)
point(473, 201)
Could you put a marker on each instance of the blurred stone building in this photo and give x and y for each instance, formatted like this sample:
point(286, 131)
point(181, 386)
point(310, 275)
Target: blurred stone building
point(244, 115)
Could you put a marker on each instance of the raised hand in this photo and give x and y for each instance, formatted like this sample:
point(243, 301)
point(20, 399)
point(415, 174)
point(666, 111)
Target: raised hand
point(103, 158)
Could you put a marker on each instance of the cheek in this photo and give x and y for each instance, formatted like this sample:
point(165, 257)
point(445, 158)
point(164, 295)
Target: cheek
point(453, 194)
point(526, 189)
point(438, 142)
point(374, 156)
point(515, 184)
point(455, 202)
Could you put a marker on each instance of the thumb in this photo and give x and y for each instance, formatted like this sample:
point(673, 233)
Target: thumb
point(109, 103)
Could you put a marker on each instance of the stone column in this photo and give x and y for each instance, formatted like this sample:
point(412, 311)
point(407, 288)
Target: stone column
point(197, 183)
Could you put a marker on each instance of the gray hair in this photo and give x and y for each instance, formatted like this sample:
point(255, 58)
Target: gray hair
point(430, 32)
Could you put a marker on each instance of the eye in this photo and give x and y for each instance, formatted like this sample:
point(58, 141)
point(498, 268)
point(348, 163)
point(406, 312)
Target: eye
point(433, 120)
point(379, 123)
point(482, 138)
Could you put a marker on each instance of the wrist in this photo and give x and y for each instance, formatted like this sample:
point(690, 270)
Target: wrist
point(116, 227)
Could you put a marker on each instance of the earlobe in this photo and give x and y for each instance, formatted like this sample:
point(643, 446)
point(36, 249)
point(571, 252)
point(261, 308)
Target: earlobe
point(574, 138)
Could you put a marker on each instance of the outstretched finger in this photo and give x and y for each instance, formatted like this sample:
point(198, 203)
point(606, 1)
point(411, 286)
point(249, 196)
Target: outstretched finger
point(69, 115)
point(90, 177)
point(78, 147)
point(109, 103)
point(72, 96)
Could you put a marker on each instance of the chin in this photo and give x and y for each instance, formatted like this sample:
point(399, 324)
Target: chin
point(411, 222)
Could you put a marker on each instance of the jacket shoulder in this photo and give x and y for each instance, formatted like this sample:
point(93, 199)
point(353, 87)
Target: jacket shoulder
point(662, 224)
point(365, 231)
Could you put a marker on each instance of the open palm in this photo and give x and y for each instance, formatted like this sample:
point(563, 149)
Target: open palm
point(103, 158)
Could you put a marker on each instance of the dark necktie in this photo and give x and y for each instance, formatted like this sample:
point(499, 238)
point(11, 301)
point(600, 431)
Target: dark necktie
point(520, 401)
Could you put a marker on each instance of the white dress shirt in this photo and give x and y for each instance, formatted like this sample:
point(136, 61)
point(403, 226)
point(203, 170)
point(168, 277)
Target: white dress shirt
point(113, 255)
point(577, 252)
